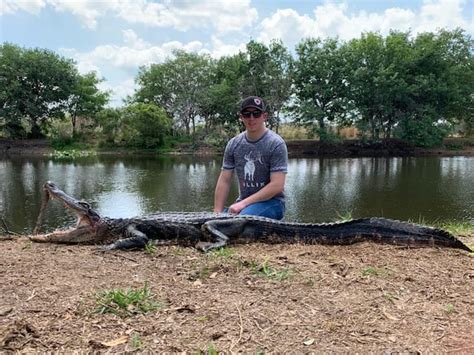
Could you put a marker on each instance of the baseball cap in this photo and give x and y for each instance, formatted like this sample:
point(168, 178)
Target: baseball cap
point(253, 101)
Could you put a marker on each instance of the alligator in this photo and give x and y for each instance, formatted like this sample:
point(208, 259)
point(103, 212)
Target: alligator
point(207, 231)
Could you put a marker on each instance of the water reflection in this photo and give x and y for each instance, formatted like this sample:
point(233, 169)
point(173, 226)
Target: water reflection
point(317, 189)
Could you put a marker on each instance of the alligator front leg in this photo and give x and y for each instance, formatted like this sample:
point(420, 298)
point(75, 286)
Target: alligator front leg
point(221, 231)
point(134, 240)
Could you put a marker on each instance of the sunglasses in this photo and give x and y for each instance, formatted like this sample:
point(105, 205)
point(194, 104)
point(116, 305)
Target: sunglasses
point(255, 114)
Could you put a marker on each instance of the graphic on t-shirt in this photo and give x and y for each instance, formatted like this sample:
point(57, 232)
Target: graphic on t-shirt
point(249, 168)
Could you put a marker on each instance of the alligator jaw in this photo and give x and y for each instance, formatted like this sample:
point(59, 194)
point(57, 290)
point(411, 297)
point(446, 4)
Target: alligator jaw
point(78, 235)
point(87, 219)
point(85, 214)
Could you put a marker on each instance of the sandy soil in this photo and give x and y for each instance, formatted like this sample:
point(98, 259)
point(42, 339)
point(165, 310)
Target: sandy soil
point(257, 298)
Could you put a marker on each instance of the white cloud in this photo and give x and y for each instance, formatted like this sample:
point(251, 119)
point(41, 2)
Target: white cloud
point(221, 49)
point(88, 11)
point(289, 26)
point(134, 53)
point(444, 14)
point(11, 6)
point(221, 15)
point(332, 19)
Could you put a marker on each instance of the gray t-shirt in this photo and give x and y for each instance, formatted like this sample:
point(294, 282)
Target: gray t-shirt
point(253, 161)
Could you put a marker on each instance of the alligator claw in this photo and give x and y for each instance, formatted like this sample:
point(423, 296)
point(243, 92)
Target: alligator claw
point(204, 246)
point(104, 248)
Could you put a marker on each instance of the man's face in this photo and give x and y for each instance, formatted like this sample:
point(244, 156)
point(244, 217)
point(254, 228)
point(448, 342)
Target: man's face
point(253, 119)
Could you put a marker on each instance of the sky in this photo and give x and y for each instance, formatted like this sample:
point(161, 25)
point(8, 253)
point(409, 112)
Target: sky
point(116, 37)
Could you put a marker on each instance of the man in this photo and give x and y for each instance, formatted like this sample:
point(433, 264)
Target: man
point(260, 159)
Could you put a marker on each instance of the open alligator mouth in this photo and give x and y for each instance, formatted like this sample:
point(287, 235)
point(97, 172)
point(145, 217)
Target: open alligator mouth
point(87, 218)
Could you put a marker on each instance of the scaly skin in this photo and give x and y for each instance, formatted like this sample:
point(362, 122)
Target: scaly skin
point(210, 230)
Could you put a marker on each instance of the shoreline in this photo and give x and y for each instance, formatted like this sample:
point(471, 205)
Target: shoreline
point(296, 149)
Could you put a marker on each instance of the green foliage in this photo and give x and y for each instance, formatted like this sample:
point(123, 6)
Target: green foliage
point(72, 154)
point(291, 131)
point(126, 302)
point(413, 86)
point(224, 253)
point(34, 84)
point(136, 341)
point(417, 88)
point(59, 131)
point(86, 99)
point(265, 270)
point(344, 217)
point(178, 85)
point(374, 271)
point(456, 228)
point(137, 125)
point(146, 125)
point(423, 131)
point(320, 85)
point(150, 248)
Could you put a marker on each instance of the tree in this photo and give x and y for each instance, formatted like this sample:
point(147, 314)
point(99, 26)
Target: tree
point(178, 85)
point(378, 81)
point(35, 84)
point(146, 125)
point(320, 85)
point(221, 104)
point(86, 99)
point(280, 67)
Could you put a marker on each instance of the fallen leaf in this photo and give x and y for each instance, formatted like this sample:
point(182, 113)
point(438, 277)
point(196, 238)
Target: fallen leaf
point(122, 340)
point(5, 310)
point(389, 316)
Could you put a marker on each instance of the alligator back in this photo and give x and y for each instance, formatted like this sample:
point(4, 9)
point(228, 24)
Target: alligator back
point(379, 230)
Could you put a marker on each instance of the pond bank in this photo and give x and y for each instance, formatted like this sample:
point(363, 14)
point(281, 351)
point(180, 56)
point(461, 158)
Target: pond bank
point(296, 148)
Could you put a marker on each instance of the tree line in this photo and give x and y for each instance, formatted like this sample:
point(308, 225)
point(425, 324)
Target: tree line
point(417, 88)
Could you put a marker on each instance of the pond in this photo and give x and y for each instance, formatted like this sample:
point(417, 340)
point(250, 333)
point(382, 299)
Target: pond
point(423, 189)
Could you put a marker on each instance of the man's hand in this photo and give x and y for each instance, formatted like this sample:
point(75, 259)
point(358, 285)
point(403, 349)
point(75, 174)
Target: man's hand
point(237, 207)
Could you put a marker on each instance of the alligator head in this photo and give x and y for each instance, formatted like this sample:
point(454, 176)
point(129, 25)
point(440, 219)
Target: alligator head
point(88, 220)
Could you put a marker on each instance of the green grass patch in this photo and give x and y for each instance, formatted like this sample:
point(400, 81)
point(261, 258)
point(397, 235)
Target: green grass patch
point(150, 248)
point(221, 253)
point(374, 271)
point(269, 272)
point(127, 302)
point(136, 341)
point(456, 227)
point(72, 154)
point(344, 217)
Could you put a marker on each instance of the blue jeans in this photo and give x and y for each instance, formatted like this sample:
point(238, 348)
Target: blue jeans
point(273, 208)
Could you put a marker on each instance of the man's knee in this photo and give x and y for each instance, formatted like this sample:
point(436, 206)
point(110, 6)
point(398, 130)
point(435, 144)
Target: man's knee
point(274, 209)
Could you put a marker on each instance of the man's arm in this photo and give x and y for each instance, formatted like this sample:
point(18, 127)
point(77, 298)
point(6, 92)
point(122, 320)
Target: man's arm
point(222, 189)
point(273, 188)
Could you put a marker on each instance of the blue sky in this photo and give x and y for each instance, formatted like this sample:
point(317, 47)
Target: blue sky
point(116, 37)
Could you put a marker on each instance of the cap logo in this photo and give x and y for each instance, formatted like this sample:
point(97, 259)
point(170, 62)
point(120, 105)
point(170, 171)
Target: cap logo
point(257, 101)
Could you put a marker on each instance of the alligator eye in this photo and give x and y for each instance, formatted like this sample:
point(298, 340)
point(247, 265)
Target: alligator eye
point(84, 204)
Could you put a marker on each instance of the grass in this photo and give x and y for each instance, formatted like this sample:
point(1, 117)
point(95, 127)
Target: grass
point(265, 270)
point(72, 154)
point(126, 302)
point(347, 216)
point(450, 308)
point(373, 271)
point(456, 227)
point(222, 253)
point(150, 248)
point(136, 341)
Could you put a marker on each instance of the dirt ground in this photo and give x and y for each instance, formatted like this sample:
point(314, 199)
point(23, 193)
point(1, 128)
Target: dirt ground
point(254, 298)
